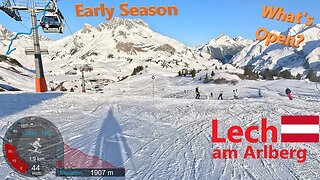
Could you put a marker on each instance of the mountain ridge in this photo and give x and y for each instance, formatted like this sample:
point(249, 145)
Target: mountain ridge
point(275, 56)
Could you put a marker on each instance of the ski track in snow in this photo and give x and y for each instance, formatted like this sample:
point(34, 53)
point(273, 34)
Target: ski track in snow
point(167, 137)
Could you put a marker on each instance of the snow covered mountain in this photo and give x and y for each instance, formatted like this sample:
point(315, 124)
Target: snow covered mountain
point(20, 43)
point(115, 48)
point(223, 48)
point(276, 56)
point(13, 75)
point(5, 33)
point(16, 70)
point(120, 45)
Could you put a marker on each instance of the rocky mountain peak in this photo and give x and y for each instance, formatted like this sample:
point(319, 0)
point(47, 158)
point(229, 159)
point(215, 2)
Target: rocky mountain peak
point(5, 33)
point(117, 22)
point(87, 28)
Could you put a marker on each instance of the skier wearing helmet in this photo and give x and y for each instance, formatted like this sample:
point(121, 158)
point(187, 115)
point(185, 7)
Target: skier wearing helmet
point(288, 93)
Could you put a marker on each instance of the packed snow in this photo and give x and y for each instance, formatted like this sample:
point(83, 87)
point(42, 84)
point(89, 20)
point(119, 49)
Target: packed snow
point(169, 136)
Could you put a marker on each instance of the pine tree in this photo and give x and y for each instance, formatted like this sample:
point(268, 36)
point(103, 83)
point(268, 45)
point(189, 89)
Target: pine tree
point(185, 72)
point(193, 73)
point(276, 73)
point(206, 79)
point(286, 74)
point(248, 70)
point(267, 74)
point(311, 75)
point(137, 70)
point(299, 76)
point(212, 74)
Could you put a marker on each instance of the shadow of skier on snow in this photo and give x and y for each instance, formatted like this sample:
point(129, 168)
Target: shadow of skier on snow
point(111, 145)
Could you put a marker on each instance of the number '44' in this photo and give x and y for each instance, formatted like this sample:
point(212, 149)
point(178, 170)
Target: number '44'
point(35, 168)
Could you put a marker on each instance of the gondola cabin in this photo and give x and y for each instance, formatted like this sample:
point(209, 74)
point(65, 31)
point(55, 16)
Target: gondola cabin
point(52, 23)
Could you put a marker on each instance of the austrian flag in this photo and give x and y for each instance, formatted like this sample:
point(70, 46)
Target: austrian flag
point(300, 128)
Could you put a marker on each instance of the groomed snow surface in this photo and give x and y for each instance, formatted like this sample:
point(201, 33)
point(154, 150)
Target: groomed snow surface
point(169, 136)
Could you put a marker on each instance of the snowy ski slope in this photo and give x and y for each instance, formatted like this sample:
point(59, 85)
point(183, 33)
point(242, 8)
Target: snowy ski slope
point(169, 136)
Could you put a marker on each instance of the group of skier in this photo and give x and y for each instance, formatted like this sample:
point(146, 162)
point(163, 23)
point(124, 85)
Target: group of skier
point(220, 97)
point(236, 94)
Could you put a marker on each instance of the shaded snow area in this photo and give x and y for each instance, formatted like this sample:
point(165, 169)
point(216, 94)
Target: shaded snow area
point(169, 136)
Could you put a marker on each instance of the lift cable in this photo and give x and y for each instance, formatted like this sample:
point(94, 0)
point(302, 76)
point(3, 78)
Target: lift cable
point(9, 50)
point(39, 39)
point(69, 28)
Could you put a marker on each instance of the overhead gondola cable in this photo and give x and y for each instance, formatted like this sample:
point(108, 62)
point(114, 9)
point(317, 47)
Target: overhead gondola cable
point(9, 50)
point(53, 22)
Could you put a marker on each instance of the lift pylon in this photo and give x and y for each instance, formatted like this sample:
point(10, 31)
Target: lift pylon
point(12, 8)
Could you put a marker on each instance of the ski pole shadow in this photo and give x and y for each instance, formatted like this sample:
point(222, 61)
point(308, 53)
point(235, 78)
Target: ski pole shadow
point(111, 145)
point(14, 103)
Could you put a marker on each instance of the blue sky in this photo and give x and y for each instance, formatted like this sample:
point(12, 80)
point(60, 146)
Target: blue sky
point(198, 20)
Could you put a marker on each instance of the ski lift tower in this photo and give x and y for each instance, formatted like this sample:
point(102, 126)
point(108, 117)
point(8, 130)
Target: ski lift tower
point(12, 9)
point(84, 68)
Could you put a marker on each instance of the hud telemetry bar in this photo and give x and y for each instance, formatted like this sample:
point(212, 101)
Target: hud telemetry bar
point(91, 172)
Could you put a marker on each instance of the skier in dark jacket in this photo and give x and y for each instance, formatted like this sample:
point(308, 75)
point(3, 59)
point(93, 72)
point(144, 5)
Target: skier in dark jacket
point(288, 93)
point(220, 95)
point(197, 93)
point(260, 93)
point(236, 94)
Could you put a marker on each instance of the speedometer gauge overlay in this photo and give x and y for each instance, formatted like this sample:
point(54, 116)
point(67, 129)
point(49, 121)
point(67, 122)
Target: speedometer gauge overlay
point(33, 146)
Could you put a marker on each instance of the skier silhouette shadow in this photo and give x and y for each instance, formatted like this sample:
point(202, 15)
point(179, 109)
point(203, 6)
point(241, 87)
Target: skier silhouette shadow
point(14, 103)
point(111, 143)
